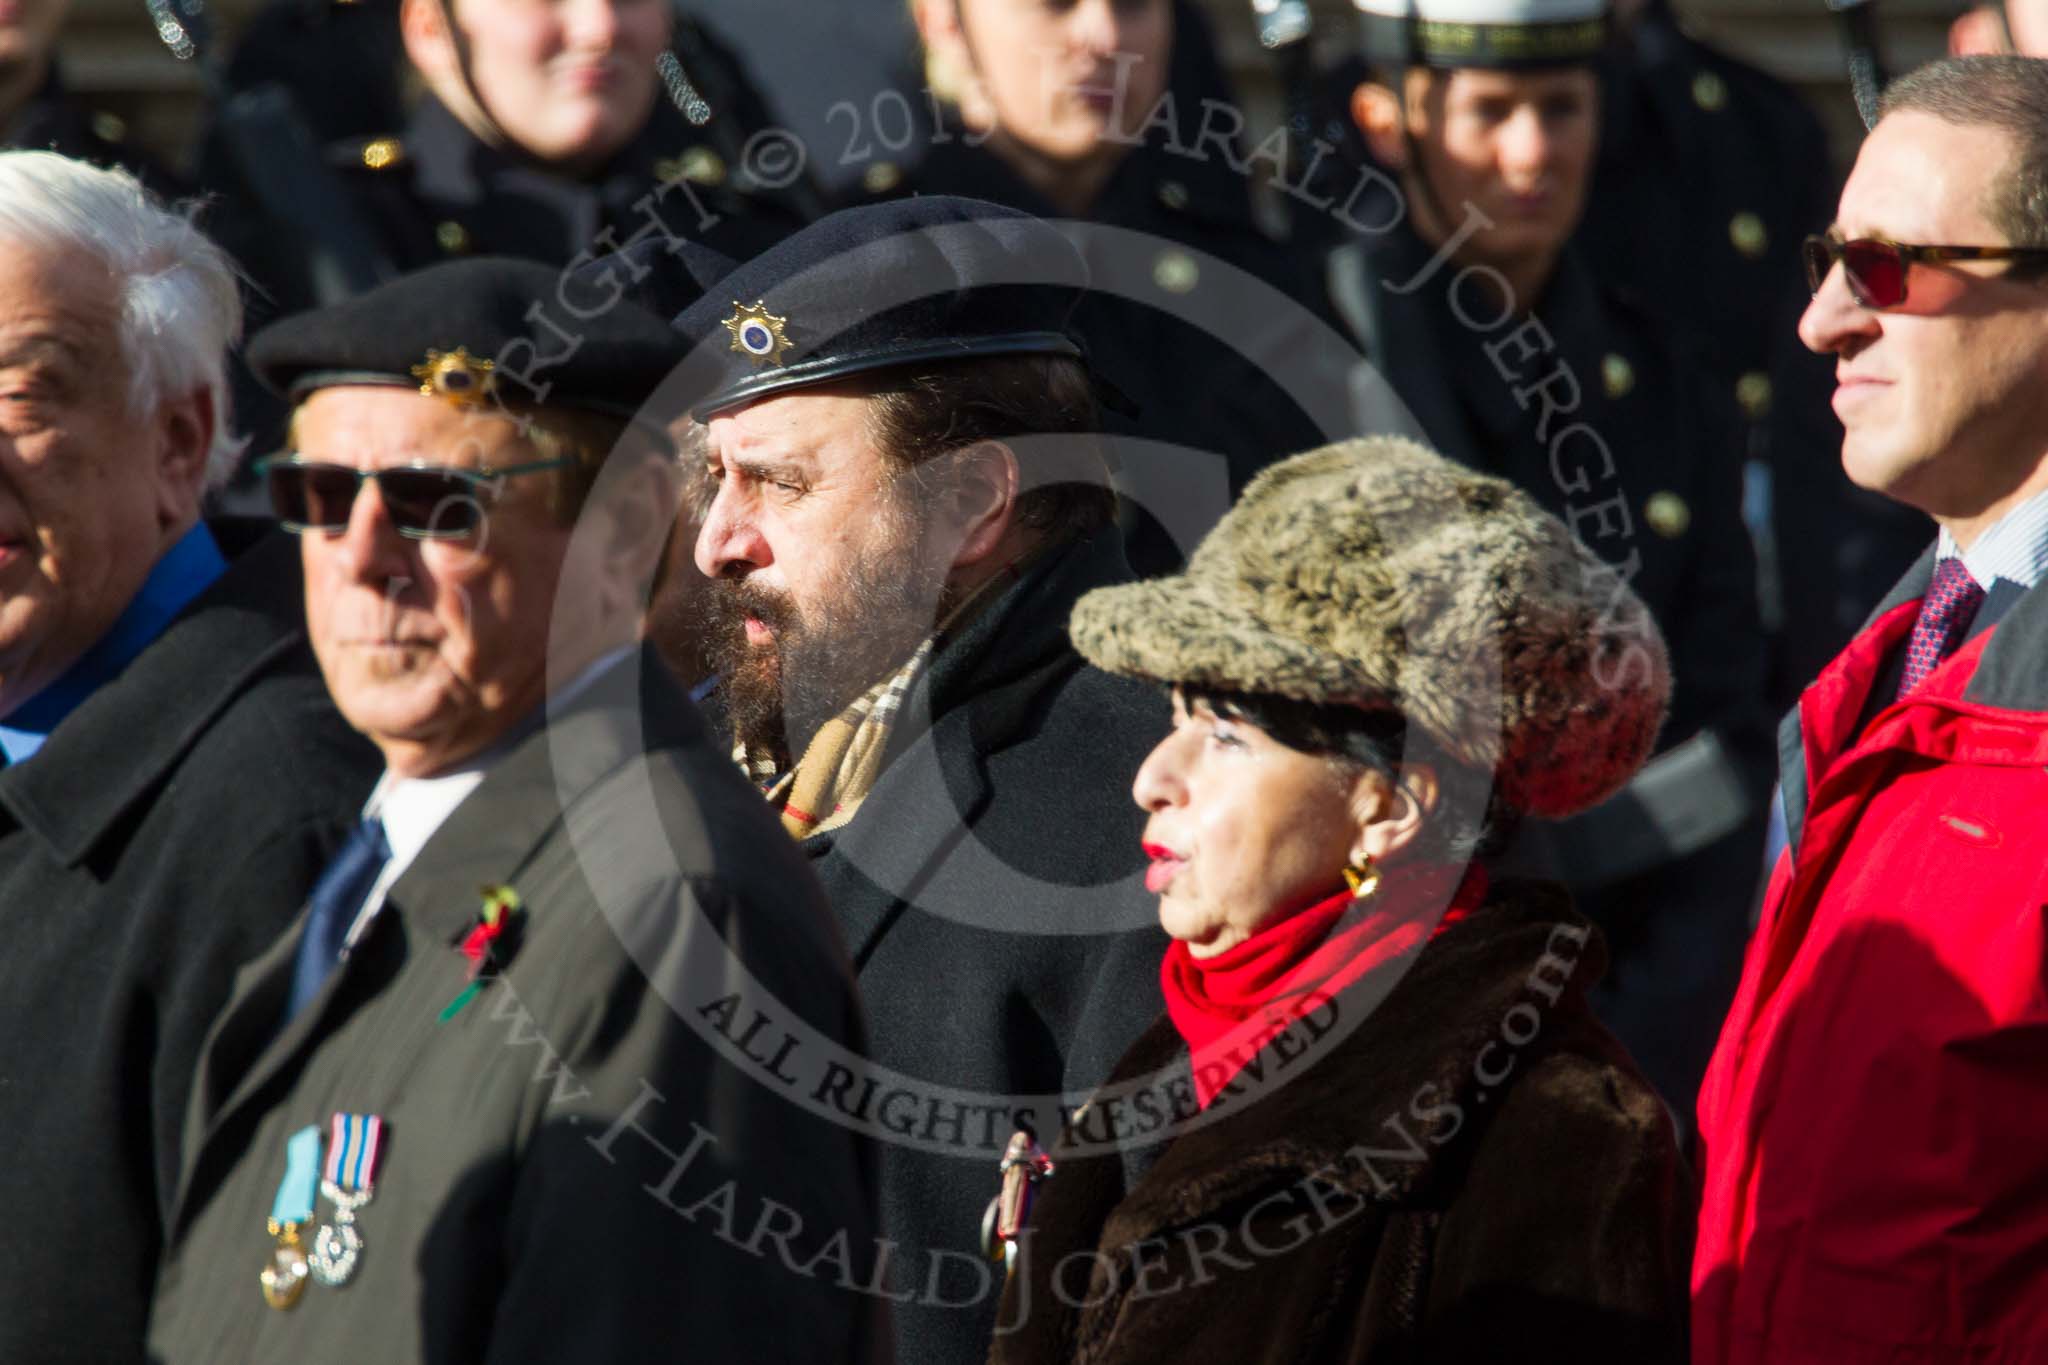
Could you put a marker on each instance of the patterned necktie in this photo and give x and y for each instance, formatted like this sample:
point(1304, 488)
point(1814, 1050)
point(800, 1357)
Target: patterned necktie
point(332, 907)
point(1945, 614)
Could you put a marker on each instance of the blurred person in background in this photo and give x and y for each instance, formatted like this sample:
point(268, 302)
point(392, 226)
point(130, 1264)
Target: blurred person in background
point(542, 131)
point(1710, 172)
point(2003, 27)
point(1118, 113)
point(1505, 348)
point(1379, 662)
point(38, 114)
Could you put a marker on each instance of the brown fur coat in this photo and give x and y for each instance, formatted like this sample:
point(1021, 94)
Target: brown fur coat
point(1475, 1173)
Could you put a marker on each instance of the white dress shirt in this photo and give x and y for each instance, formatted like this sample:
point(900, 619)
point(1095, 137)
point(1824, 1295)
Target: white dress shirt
point(2015, 547)
point(412, 808)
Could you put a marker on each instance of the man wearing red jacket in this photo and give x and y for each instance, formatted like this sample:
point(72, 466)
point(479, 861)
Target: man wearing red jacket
point(1875, 1119)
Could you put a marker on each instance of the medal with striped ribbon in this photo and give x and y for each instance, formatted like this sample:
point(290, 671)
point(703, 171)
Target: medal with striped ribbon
point(352, 1151)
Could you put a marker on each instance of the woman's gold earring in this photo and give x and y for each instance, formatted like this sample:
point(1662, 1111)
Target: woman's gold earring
point(1363, 876)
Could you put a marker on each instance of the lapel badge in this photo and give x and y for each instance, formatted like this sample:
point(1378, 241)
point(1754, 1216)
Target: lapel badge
point(758, 333)
point(457, 376)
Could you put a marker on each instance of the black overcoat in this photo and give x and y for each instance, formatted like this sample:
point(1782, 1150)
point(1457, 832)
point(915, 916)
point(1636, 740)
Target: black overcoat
point(166, 831)
point(990, 892)
point(1471, 1172)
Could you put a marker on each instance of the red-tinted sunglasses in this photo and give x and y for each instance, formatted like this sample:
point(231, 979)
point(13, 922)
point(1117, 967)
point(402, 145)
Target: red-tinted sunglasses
point(1876, 269)
point(425, 502)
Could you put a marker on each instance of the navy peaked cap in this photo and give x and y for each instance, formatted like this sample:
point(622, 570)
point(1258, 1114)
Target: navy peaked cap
point(905, 282)
point(486, 327)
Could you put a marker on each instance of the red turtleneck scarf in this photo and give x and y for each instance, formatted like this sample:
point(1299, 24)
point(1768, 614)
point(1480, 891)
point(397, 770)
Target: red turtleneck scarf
point(1228, 1006)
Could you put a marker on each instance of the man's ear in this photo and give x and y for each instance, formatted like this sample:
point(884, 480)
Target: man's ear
point(1391, 815)
point(949, 65)
point(979, 500)
point(184, 440)
point(640, 510)
point(1979, 32)
point(423, 27)
point(1376, 110)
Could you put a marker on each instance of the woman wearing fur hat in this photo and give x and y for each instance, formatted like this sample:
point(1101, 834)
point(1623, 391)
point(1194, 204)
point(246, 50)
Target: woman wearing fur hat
point(1378, 1121)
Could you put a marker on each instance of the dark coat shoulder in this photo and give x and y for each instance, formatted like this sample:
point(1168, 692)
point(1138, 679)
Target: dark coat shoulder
point(167, 831)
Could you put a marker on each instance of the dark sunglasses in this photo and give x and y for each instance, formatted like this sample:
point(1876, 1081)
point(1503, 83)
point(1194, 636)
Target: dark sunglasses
point(424, 501)
point(1876, 269)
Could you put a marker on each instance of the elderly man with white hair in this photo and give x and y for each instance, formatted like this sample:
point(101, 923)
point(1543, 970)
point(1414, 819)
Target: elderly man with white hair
point(175, 776)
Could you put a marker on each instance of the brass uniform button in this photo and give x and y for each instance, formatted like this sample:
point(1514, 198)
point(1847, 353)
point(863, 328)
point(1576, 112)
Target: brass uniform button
point(1667, 514)
point(382, 153)
point(1753, 393)
point(881, 177)
point(698, 165)
point(109, 127)
point(1746, 230)
point(1617, 376)
point(1173, 194)
point(1709, 91)
point(453, 237)
point(1176, 272)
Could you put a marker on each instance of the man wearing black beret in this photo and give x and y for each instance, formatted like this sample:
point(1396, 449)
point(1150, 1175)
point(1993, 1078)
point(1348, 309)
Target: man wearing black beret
point(480, 1102)
point(909, 499)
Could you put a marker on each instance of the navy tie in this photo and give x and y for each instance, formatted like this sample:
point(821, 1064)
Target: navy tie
point(332, 907)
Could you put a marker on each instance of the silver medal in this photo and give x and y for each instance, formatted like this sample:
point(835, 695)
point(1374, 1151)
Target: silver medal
point(338, 1246)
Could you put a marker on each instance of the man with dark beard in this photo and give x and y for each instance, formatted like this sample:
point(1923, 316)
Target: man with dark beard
point(909, 499)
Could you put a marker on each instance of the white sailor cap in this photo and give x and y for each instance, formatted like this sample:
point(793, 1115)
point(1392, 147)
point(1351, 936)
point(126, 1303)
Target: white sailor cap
point(1496, 33)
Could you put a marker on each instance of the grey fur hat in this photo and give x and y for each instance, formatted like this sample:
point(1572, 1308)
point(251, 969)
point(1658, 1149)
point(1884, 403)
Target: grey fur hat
point(1376, 573)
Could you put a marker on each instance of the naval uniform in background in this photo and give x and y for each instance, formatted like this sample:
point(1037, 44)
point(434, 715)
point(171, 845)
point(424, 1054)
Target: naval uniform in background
point(1202, 356)
point(1710, 173)
point(1669, 867)
point(315, 220)
point(52, 120)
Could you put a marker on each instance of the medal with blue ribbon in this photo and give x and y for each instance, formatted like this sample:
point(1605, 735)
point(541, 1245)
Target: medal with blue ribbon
point(352, 1151)
point(284, 1279)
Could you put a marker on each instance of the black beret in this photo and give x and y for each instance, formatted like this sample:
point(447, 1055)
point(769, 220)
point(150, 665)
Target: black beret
point(904, 282)
point(484, 327)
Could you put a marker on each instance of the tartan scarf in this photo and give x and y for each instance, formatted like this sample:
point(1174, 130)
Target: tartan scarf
point(843, 761)
point(823, 789)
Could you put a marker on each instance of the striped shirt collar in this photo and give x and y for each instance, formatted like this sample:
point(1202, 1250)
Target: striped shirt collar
point(2014, 548)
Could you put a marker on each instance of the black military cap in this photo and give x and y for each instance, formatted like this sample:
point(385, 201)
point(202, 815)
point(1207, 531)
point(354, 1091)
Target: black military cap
point(484, 329)
point(906, 282)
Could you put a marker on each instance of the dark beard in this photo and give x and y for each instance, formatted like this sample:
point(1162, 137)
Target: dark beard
point(777, 695)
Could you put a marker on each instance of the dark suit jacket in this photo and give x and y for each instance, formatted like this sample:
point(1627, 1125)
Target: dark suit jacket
point(161, 837)
point(989, 889)
point(582, 1163)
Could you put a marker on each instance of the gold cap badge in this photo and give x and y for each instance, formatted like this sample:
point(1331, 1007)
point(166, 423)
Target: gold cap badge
point(758, 333)
point(455, 375)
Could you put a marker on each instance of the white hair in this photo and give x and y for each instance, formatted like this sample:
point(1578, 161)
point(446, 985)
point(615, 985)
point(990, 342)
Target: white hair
point(178, 294)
